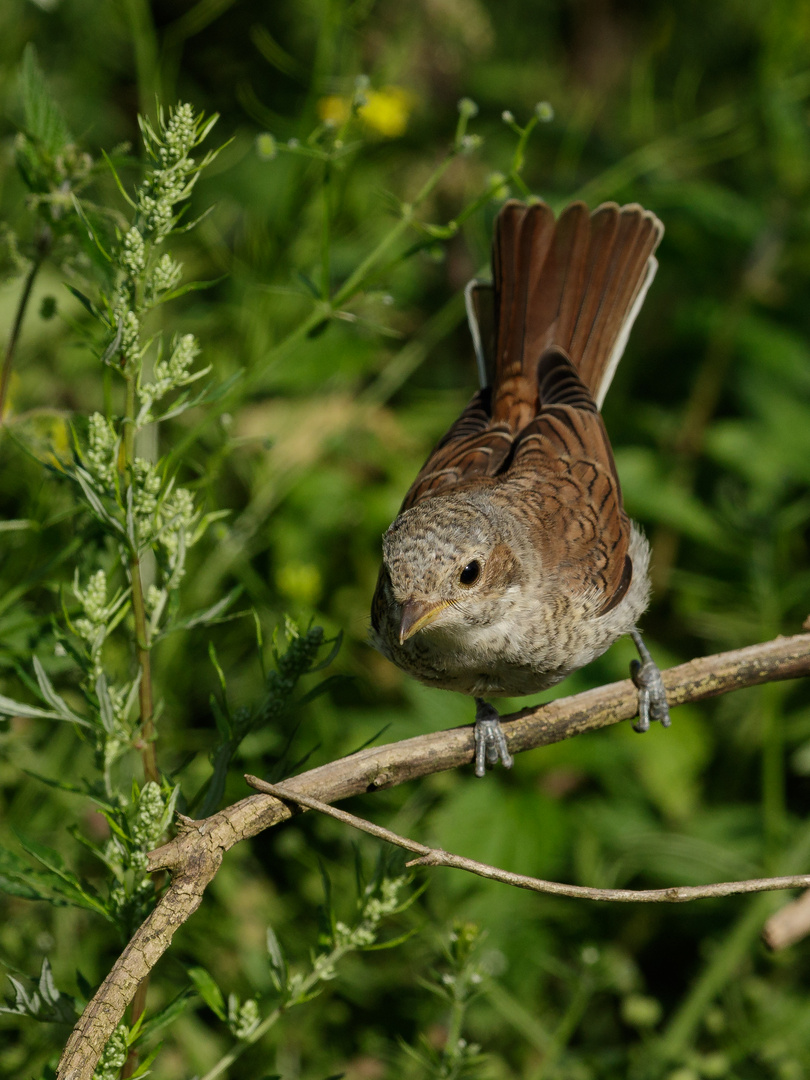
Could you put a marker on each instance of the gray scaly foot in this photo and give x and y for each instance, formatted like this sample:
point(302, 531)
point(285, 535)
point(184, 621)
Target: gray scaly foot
point(490, 744)
point(652, 695)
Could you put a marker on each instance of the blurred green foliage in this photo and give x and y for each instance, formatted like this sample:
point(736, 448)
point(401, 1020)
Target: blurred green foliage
point(700, 112)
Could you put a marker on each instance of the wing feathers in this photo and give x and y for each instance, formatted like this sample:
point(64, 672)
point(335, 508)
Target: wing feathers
point(549, 334)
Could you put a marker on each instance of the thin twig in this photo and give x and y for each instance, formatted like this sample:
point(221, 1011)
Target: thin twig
point(194, 856)
point(436, 857)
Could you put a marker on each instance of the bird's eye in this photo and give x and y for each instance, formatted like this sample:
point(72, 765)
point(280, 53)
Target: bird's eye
point(470, 574)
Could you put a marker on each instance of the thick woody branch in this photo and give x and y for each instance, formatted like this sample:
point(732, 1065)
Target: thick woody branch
point(195, 854)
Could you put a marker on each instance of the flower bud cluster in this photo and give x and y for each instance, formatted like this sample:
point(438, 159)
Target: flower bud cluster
point(101, 454)
point(172, 373)
point(114, 1056)
point(243, 1017)
point(173, 176)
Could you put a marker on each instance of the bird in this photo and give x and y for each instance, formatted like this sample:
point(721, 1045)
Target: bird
point(512, 562)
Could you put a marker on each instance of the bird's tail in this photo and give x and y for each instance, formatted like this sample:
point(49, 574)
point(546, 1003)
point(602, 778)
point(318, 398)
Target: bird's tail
point(574, 284)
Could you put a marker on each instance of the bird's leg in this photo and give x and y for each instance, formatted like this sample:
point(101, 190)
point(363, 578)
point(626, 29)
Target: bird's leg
point(490, 744)
point(652, 695)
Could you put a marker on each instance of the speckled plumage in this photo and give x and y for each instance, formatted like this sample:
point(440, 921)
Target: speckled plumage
point(522, 494)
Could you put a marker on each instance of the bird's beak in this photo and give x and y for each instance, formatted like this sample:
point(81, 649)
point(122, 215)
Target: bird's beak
point(416, 615)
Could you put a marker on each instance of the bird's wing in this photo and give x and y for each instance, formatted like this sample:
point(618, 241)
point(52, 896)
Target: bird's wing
point(471, 449)
point(563, 466)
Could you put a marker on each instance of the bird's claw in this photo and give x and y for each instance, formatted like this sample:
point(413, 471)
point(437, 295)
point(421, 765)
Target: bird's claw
point(652, 694)
point(490, 743)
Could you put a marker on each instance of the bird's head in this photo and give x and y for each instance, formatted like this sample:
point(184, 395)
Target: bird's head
point(449, 566)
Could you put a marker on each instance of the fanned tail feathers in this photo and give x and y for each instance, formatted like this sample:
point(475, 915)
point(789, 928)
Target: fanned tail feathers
point(574, 285)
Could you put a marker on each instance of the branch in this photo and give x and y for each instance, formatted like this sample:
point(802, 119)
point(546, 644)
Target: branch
point(194, 856)
point(437, 857)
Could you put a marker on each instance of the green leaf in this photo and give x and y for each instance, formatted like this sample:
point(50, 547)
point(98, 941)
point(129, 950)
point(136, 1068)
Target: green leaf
point(43, 118)
point(191, 286)
point(105, 705)
point(378, 946)
point(207, 616)
point(208, 991)
point(337, 642)
point(328, 908)
point(168, 1014)
point(62, 881)
point(86, 302)
point(50, 695)
point(278, 962)
point(9, 707)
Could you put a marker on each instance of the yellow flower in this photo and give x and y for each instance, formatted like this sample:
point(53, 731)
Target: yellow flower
point(384, 111)
point(334, 109)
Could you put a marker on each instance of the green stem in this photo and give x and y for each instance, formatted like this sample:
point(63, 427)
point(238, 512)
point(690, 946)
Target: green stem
point(142, 27)
point(723, 966)
point(323, 310)
point(5, 375)
point(569, 1023)
point(450, 1063)
point(272, 1018)
point(325, 241)
point(355, 280)
point(145, 697)
point(142, 646)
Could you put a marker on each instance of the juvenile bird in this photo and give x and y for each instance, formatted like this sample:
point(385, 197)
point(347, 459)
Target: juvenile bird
point(512, 562)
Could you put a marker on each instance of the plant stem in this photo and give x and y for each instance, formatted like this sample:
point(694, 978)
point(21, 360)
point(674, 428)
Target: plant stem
point(43, 247)
point(148, 754)
point(272, 1018)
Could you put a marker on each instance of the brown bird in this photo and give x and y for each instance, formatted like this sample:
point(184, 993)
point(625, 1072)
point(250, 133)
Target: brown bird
point(512, 562)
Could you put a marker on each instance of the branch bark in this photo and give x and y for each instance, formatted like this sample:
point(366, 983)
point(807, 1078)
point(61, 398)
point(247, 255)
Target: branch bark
point(194, 856)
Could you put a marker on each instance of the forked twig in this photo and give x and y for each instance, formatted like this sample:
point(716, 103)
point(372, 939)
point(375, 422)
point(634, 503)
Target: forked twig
point(437, 857)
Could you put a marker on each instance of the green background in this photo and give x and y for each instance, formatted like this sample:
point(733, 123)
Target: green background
point(698, 111)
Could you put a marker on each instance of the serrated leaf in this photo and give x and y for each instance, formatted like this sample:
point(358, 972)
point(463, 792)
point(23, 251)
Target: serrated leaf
point(61, 880)
point(208, 991)
point(43, 118)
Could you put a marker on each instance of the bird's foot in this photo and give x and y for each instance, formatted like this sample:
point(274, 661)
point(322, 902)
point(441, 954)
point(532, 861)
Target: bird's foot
point(652, 695)
point(490, 743)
